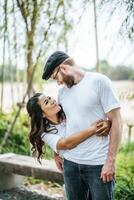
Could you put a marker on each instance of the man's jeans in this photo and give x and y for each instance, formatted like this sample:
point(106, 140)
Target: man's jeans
point(82, 182)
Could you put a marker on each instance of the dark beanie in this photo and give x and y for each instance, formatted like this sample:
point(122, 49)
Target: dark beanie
point(53, 61)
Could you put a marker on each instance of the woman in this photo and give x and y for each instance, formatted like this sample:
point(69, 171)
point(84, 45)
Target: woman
point(48, 122)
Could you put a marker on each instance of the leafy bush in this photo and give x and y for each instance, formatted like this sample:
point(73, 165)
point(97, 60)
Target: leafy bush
point(18, 140)
point(124, 189)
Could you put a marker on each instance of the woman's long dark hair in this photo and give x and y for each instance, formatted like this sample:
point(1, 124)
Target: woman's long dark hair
point(40, 124)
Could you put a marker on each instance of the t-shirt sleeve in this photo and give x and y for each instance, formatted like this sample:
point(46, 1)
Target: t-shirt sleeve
point(51, 139)
point(107, 94)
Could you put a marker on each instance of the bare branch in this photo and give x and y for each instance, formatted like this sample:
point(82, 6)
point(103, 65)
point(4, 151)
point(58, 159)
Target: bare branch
point(15, 50)
point(50, 23)
point(20, 5)
point(34, 15)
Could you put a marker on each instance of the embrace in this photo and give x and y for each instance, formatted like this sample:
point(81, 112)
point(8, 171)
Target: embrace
point(83, 128)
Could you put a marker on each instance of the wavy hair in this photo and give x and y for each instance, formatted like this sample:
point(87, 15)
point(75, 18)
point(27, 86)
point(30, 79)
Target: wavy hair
point(40, 124)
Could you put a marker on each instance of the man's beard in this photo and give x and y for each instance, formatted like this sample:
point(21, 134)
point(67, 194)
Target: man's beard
point(68, 80)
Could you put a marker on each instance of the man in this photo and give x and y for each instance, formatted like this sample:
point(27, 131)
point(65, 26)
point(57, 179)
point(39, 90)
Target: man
point(89, 169)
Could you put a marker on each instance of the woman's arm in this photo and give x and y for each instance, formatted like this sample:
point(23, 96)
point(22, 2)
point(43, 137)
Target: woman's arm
point(100, 128)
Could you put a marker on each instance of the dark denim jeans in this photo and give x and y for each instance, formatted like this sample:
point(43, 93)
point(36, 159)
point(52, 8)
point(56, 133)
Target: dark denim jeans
point(82, 182)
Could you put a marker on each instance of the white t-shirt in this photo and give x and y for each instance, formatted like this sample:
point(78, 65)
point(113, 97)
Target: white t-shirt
point(85, 103)
point(52, 138)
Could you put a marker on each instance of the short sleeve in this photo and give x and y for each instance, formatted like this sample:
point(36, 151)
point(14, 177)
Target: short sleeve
point(107, 94)
point(51, 139)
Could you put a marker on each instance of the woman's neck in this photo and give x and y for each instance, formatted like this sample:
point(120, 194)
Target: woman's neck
point(53, 119)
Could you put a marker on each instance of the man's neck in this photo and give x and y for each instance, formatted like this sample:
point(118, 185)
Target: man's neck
point(78, 75)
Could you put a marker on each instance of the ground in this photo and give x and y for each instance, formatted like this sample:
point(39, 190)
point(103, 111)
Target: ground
point(40, 191)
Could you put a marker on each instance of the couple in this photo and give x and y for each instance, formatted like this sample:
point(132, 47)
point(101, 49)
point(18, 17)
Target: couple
point(73, 128)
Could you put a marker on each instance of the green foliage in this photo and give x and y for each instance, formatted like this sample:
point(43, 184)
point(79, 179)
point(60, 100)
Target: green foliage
point(132, 76)
point(119, 72)
point(4, 123)
point(7, 73)
point(105, 67)
point(128, 148)
point(33, 181)
point(48, 153)
point(18, 140)
point(124, 189)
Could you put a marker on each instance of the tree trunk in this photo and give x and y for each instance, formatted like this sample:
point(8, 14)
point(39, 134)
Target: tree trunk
point(96, 38)
point(29, 62)
point(4, 48)
point(17, 75)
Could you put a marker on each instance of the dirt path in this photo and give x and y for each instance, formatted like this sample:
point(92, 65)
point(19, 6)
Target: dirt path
point(22, 193)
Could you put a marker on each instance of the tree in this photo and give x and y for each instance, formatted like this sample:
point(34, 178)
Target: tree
point(105, 67)
point(38, 24)
point(127, 27)
point(33, 28)
point(121, 72)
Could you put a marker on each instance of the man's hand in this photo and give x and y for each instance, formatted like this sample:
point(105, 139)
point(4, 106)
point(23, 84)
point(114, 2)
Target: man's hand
point(59, 162)
point(108, 172)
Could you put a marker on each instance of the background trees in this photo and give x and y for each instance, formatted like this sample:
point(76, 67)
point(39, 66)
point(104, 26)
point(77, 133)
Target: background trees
point(127, 27)
point(29, 30)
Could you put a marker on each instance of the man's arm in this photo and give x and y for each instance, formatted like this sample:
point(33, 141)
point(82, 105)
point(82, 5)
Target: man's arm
point(108, 170)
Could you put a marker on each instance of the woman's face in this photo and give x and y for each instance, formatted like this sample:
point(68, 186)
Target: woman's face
point(48, 105)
